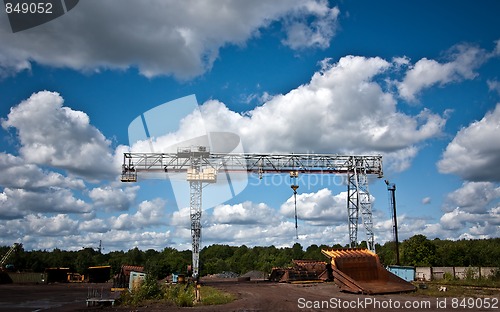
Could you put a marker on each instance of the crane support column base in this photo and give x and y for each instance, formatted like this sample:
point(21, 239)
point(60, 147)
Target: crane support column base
point(195, 215)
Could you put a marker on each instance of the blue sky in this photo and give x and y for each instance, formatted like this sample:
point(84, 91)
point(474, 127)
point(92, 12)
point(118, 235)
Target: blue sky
point(417, 82)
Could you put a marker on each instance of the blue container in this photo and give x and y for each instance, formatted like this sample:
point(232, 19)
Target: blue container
point(405, 272)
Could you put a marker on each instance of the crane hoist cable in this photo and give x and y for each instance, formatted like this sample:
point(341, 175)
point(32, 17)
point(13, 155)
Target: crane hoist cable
point(294, 175)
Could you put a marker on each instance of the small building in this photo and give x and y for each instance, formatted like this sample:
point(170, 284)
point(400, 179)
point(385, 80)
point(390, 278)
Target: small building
point(28, 277)
point(136, 279)
point(122, 279)
point(99, 274)
point(57, 275)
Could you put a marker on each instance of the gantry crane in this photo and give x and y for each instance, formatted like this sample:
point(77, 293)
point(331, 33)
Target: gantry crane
point(202, 166)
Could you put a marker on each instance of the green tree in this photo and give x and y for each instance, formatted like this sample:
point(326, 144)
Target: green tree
point(297, 252)
point(313, 252)
point(134, 257)
point(387, 253)
point(418, 251)
point(116, 259)
point(84, 259)
point(60, 258)
point(173, 261)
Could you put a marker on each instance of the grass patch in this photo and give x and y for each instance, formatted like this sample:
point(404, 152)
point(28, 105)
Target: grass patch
point(213, 296)
point(470, 286)
point(454, 290)
point(480, 282)
point(181, 295)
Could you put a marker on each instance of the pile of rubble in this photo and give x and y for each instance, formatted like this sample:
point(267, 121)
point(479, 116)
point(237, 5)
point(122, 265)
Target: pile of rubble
point(225, 274)
point(255, 275)
point(302, 271)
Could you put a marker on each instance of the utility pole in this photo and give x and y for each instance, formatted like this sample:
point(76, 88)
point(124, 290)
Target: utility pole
point(391, 187)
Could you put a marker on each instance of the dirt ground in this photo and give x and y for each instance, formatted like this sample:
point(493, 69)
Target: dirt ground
point(251, 296)
point(52, 297)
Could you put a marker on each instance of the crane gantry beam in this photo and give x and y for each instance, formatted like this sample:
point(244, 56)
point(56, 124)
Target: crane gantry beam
point(202, 166)
point(250, 162)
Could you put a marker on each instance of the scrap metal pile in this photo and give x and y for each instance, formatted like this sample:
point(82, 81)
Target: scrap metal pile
point(301, 271)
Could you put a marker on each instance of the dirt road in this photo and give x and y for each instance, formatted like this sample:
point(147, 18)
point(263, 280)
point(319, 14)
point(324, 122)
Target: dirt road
point(252, 296)
point(52, 297)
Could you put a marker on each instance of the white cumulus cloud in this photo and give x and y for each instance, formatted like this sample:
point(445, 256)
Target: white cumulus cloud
point(160, 37)
point(16, 173)
point(319, 208)
point(244, 213)
point(465, 59)
point(472, 197)
point(302, 33)
point(474, 153)
point(149, 213)
point(43, 226)
point(114, 199)
point(15, 203)
point(55, 135)
point(343, 109)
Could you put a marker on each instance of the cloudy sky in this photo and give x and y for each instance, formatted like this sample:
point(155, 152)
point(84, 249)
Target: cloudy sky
point(417, 82)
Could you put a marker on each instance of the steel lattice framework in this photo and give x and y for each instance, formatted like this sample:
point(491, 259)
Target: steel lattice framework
point(201, 166)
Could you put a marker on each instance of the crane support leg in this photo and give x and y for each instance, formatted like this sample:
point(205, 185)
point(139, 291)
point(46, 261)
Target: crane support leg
point(366, 211)
point(195, 214)
point(352, 209)
point(358, 199)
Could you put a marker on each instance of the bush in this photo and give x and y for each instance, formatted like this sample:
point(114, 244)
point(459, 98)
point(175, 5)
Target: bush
point(470, 274)
point(149, 290)
point(180, 295)
point(495, 276)
point(448, 276)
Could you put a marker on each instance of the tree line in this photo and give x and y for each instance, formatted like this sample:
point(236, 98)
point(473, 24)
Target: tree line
point(415, 251)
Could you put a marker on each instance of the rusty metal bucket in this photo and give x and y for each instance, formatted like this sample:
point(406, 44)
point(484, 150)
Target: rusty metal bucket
point(359, 270)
